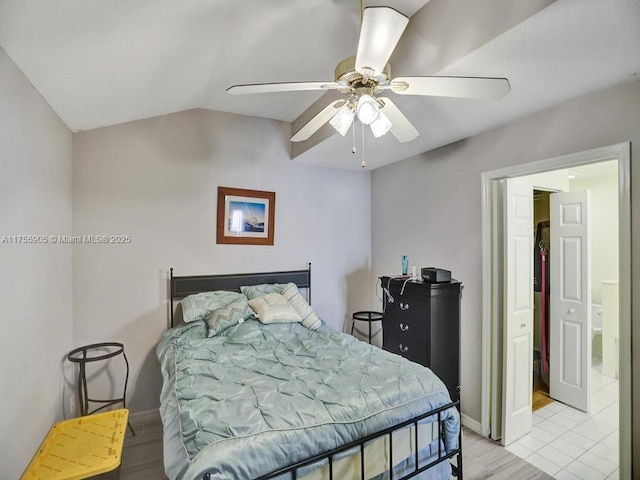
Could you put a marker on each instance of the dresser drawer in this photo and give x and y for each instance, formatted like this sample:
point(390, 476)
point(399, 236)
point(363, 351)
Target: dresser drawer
point(406, 316)
point(409, 350)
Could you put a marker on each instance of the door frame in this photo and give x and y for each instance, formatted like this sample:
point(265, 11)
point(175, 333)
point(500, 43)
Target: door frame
point(491, 264)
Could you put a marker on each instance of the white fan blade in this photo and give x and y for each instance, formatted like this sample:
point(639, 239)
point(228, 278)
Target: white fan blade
point(464, 87)
point(280, 87)
point(313, 125)
point(401, 127)
point(379, 35)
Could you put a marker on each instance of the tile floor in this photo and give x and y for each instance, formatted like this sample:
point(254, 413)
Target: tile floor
point(569, 444)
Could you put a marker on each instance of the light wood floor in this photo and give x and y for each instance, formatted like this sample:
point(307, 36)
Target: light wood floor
point(540, 393)
point(482, 459)
point(540, 400)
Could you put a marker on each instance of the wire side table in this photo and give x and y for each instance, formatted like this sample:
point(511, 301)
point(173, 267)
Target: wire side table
point(97, 352)
point(366, 316)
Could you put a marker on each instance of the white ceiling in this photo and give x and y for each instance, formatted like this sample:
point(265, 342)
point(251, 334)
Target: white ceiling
point(102, 63)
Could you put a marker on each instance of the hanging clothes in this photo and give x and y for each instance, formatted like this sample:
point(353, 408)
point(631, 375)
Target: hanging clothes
point(541, 285)
point(544, 308)
point(542, 235)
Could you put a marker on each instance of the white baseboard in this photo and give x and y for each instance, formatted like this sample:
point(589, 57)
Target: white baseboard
point(471, 424)
point(143, 418)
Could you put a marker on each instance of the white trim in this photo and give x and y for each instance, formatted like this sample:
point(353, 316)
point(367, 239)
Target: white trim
point(485, 415)
point(626, 283)
point(622, 153)
point(597, 155)
point(471, 424)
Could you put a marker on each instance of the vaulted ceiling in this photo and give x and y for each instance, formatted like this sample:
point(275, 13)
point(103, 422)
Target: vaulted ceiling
point(102, 63)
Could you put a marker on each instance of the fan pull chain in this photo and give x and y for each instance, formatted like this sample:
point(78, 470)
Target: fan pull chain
point(353, 130)
point(363, 164)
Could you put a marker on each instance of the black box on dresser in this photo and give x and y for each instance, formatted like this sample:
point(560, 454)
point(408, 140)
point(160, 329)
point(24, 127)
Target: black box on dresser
point(421, 322)
point(433, 274)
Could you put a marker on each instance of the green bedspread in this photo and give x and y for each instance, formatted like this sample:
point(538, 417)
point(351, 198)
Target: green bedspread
point(259, 397)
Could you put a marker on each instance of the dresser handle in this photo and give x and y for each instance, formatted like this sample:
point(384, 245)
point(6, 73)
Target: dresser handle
point(404, 306)
point(404, 327)
point(404, 349)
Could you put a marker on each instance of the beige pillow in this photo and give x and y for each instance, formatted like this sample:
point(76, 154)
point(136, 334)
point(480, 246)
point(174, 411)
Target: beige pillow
point(274, 308)
point(309, 318)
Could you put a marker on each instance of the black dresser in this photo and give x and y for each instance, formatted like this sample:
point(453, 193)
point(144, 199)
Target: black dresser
point(422, 324)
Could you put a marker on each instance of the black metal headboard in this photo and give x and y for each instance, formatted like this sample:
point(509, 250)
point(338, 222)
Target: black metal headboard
point(182, 287)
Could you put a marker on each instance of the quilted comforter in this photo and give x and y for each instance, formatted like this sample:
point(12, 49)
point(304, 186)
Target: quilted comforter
point(257, 397)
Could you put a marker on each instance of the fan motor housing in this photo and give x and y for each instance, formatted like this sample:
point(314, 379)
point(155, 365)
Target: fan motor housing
point(347, 75)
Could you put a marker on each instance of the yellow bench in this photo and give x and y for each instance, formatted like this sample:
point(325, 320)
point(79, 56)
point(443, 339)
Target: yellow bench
point(80, 448)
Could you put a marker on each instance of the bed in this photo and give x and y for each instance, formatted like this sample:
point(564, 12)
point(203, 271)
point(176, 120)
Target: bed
point(292, 399)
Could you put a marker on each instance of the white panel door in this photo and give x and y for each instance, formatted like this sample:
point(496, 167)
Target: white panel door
point(518, 310)
point(570, 300)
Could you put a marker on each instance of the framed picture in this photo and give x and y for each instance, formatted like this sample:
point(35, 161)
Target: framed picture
point(245, 217)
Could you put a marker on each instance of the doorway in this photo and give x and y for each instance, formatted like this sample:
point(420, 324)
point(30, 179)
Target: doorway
point(541, 288)
point(492, 303)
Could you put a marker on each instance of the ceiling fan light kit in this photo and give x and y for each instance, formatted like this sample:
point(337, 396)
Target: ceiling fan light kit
point(367, 109)
point(380, 125)
point(342, 120)
point(367, 74)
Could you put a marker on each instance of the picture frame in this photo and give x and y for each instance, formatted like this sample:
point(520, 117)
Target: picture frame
point(245, 217)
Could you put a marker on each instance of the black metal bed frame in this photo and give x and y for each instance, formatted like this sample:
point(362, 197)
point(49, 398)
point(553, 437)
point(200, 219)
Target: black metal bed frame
point(183, 286)
point(360, 443)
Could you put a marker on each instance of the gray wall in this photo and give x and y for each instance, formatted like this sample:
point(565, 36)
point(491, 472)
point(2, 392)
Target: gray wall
point(35, 286)
point(429, 206)
point(157, 180)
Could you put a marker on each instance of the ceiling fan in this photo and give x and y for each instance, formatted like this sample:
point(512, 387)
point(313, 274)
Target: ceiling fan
point(362, 78)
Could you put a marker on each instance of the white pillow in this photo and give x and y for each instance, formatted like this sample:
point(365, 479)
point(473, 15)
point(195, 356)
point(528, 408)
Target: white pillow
point(309, 318)
point(274, 308)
